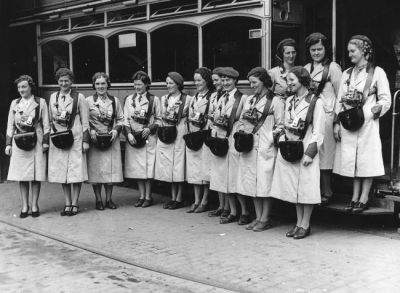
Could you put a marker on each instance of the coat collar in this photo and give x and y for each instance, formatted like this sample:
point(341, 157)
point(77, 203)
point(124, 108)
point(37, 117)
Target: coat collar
point(106, 102)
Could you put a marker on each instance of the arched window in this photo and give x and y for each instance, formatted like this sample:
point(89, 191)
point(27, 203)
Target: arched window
point(226, 43)
point(88, 58)
point(55, 54)
point(127, 54)
point(174, 48)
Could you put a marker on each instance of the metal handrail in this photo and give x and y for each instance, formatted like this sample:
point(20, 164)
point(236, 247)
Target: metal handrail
point(394, 115)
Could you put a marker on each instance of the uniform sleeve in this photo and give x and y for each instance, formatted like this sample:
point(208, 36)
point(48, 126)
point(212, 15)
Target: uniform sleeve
point(383, 91)
point(240, 107)
point(279, 112)
point(156, 114)
point(45, 121)
point(10, 124)
point(50, 113)
point(185, 112)
point(127, 126)
point(318, 130)
point(340, 94)
point(119, 117)
point(335, 76)
point(84, 116)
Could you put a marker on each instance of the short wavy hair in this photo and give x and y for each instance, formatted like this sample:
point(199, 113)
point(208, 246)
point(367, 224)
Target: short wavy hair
point(262, 74)
point(64, 72)
point(143, 77)
point(28, 79)
point(100, 75)
point(315, 38)
point(206, 74)
point(302, 74)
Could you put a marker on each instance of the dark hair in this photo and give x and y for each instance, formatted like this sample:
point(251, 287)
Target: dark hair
point(27, 78)
point(280, 48)
point(143, 77)
point(206, 74)
point(64, 72)
point(262, 74)
point(302, 74)
point(315, 38)
point(100, 75)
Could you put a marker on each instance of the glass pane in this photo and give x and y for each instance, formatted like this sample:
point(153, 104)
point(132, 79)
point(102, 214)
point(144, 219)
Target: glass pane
point(125, 61)
point(226, 43)
point(127, 14)
point(54, 26)
point(88, 58)
point(55, 54)
point(87, 21)
point(174, 48)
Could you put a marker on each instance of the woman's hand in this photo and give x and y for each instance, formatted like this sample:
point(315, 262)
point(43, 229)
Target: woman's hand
point(131, 139)
point(114, 134)
point(85, 147)
point(8, 150)
point(93, 135)
point(337, 132)
point(376, 110)
point(145, 133)
point(45, 147)
point(307, 160)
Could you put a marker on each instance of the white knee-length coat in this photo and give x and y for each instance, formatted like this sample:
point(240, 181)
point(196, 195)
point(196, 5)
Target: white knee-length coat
point(69, 165)
point(256, 168)
point(28, 165)
point(223, 175)
point(328, 97)
point(294, 182)
point(105, 166)
point(359, 153)
point(279, 85)
point(140, 162)
point(170, 158)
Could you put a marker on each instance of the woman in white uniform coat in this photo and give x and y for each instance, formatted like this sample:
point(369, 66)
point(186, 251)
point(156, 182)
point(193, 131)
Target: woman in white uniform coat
point(28, 114)
point(256, 167)
point(105, 117)
point(68, 166)
point(359, 152)
point(298, 182)
point(142, 116)
point(198, 161)
point(329, 73)
point(170, 157)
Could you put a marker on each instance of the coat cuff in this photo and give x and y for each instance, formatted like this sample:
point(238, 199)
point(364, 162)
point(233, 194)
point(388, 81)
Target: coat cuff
point(86, 136)
point(153, 128)
point(46, 138)
point(118, 128)
point(127, 130)
point(312, 150)
point(8, 140)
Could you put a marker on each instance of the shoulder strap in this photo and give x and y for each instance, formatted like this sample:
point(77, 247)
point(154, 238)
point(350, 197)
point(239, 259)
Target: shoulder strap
point(368, 82)
point(114, 114)
point(324, 79)
point(150, 97)
point(265, 112)
point(37, 112)
point(232, 118)
point(181, 107)
point(75, 97)
point(310, 114)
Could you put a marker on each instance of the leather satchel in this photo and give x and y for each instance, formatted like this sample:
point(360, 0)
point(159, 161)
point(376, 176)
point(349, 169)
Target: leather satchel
point(167, 134)
point(291, 151)
point(103, 141)
point(26, 141)
point(140, 141)
point(219, 146)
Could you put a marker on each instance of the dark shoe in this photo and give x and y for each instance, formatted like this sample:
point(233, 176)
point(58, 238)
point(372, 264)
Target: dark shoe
point(302, 233)
point(168, 204)
point(215, 213)
point(66, 211)
point(193, 208)
point(225, 213)
point(262, 226)
point(292, 231)
point(325, 201)
point(252, 225)
point(139, 202)
point(74, 210)
point(23, 215)
point(35, 214)
point(244, 220)
point(176, 205)
point(350, 206)
point(147, 203)
point(110, 205)
point(359, 208)
point(201, 209)
point(99, 205)
point(228, 219)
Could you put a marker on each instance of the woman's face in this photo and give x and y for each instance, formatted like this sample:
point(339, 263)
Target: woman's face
point(289, 55)
point(65, 83)
point(228, 83)
point(317, 52)
point(355, 54)
point(217, 82)
point(257, 85)
point(172, 87)
point(200, 83)
point(24, 89)
point(293, 83)
point(140, 87)
point(101, 86)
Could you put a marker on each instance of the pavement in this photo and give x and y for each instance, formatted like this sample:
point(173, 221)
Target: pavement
point(196, 249)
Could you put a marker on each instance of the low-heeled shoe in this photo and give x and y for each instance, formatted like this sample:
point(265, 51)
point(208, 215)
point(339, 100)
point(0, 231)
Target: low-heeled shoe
point(225, 213)
point(228, 219)
point(99, 205)
point(292, 231)
point(110, 205)
point(262, 226)
point(359, 208)
point(192, 208)
point(147, 203)
point(35, 214)
point(302, 233)
point(244, 220)
point(350, 206)
point(168, 204)
point(215, 213)
point(251, 225)
point(176, 205)
point(139, 202)
point(23, 215)
point(201, 208)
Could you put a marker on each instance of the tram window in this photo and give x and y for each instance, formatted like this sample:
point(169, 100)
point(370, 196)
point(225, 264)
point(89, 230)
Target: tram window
point(174, 48)
point(88, 58)
point(226, 43)
point(55, 54)
point(127, 57)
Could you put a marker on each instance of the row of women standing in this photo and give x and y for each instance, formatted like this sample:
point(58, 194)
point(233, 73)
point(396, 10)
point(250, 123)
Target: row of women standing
point(219, 139)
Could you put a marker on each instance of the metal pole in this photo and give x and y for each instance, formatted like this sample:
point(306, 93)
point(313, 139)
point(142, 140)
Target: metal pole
point(333, 30)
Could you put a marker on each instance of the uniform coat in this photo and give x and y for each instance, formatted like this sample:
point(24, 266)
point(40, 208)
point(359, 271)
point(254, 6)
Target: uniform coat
point(170, 158)
point(28, 165)
point(255, 168)
point(105, 166)
point(294, 182)
point(359, 153)
point(278, 77)
point(140, 162)
point(223, 176)
point(69, 165)
point(328, 97)
point(198, 162)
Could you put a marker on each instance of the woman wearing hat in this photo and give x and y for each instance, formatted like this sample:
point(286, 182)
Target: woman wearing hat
point(325, 81)
point(262, 116)
point(359, 151)
point(286, 52)
point(141, 112)
point(28, 116)
point(223, 177)
point(68, 110)
point(170, 151)
point(296, 177)
point(104, 161)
